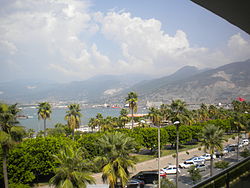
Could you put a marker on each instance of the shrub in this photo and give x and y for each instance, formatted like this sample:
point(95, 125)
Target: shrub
point(221, 164)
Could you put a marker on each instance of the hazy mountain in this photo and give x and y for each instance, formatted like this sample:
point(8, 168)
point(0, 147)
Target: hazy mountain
point(90, 90)
point(222, 84)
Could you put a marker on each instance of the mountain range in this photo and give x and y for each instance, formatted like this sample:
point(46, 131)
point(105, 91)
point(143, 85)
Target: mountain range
point(222, 84)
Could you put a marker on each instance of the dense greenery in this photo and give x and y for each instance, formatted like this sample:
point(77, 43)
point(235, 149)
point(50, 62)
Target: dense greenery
point(34, 159)
point(221, 164)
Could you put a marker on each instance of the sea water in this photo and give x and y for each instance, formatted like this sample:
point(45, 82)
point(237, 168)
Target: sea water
point(58, 115)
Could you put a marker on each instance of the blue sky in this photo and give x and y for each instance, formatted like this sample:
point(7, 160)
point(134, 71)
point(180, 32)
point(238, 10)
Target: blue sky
point(76, 39)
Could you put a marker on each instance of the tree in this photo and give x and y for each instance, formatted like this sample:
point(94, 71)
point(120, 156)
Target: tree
point(73, 117)
point(123, 118)
point(116, 159)
point(212, 139)
point(179, 115)
point(9, 133)
point(92, 123)
point(44, 112)
point(107, 124)
point(33, 158)
point(73, 170)
point(132, 100)
point(194, 174)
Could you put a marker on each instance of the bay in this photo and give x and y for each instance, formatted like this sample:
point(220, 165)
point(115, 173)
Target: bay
point(58, 114)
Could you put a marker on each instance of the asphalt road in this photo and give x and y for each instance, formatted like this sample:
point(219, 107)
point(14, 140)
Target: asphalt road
point(184, 178)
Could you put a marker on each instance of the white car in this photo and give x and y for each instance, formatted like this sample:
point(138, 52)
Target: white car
point(196, 160)
point(171, 169)
point(207, 156)
point(245, 142)
point(201, 167)
point(187, 164)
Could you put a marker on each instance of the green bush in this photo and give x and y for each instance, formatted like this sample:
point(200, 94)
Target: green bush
point(221, 164)
point(245, 153)
point(194, 174)
point(33, 158)
point(18, 185)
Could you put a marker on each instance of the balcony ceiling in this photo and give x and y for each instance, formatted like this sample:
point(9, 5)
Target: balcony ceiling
point(237, 12)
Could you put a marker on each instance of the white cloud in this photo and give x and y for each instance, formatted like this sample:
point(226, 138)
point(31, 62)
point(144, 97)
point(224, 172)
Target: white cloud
point(64, 40)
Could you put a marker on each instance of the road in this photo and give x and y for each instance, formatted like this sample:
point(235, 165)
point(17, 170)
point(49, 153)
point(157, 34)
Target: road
point(184, 179)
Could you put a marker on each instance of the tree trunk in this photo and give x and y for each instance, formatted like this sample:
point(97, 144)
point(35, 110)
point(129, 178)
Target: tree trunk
point(159, 156)
point(132, 111)
point(44, 121)
point(5, 175)
point(177, 154)
point(211, 164)
point(238, 142)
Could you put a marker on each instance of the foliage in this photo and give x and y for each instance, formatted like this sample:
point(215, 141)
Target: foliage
point(10, 134)
point(212, 139)
point(245, 153)
point(116, 160)
point(73, 117)
point(73, 170)
point(166, 183)
point(194, 174)
point(34, 158)
point(44, 112)
point(88, 142)
point(132, 100)
point(18, 185)
point(221, 164)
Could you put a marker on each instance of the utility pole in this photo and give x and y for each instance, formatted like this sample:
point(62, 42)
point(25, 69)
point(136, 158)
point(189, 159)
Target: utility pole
point(177, 123)
point(159, 156)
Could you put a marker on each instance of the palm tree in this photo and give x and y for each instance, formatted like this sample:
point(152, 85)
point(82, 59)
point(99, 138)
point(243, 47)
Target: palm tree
point(212, 139)
point(73, 170)
point(156, 117)
point(73, 117)
point(44, 111)
point(132, 100)
point(92, 123)
point(9, 133)
point(237, 123)
point(179, 115)
point(123, 118)
point(116, 160)
point(107, 124)
point(99, 119)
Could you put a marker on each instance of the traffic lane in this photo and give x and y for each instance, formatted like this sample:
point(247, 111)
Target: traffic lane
point(184, 177)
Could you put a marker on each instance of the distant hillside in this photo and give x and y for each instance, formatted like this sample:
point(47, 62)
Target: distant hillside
point(222, 84)
point(90, 90)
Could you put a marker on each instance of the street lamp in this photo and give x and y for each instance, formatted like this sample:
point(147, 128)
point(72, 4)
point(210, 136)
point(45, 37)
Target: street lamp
point(177, 123)
point(159, 156)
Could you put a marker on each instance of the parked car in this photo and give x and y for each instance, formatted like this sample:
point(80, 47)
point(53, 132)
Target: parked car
point(207, 156)
point(135, 183)
point(196, 160)
point(244, 142)
point(201, 167)
point(187, 164)
point(171, 169)
point(149, 177)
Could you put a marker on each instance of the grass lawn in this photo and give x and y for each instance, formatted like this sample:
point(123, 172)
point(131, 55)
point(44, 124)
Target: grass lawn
point(164, 152)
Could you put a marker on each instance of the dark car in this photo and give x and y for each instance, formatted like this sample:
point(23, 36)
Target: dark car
point(149, 177)
point(135, 183)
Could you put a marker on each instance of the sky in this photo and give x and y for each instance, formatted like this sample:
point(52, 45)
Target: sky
point(69, 40)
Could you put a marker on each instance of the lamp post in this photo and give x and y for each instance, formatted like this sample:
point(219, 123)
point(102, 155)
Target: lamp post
point(159, 156)
point(177, 123)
